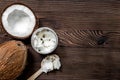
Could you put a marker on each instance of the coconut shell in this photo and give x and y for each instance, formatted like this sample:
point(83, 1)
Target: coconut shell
point(17, 37)
point(13, 56)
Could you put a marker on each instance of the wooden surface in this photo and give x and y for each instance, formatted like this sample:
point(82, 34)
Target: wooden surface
point(89, 38)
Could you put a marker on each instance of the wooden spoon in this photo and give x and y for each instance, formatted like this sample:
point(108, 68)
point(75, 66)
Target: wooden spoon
point(48, 64)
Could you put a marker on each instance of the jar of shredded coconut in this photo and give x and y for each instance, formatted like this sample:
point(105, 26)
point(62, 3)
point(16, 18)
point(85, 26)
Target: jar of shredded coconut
point(44, 40)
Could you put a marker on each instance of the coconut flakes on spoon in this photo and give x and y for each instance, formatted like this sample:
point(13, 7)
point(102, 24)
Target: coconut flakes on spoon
point(48, 64)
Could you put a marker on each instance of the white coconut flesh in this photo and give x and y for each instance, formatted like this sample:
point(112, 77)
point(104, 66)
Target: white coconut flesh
point(44, 40)
point(50, 63)
point(18, 20)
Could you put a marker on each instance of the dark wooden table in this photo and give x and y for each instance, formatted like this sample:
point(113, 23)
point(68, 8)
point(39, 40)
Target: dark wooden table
point(89, 38)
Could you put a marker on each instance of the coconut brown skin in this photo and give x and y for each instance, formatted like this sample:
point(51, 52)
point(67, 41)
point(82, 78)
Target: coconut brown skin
point(13, 56)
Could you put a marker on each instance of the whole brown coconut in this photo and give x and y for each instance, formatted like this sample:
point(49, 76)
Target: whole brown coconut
point(12, 59)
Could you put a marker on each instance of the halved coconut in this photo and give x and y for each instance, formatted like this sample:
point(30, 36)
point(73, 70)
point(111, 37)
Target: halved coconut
point(18, 20)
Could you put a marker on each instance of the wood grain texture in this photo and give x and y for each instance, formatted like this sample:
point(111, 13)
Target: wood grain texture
point(89, 38)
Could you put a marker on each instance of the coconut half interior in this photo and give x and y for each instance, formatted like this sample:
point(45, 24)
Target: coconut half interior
point(18, 20)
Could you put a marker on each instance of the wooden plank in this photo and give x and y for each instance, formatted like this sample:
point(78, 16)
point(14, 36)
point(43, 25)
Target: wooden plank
point(79, 64)
point(81, 38)
point(84, 15)
point(88, 38)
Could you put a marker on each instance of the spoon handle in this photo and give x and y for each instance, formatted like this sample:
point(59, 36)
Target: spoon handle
point(35, 75)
